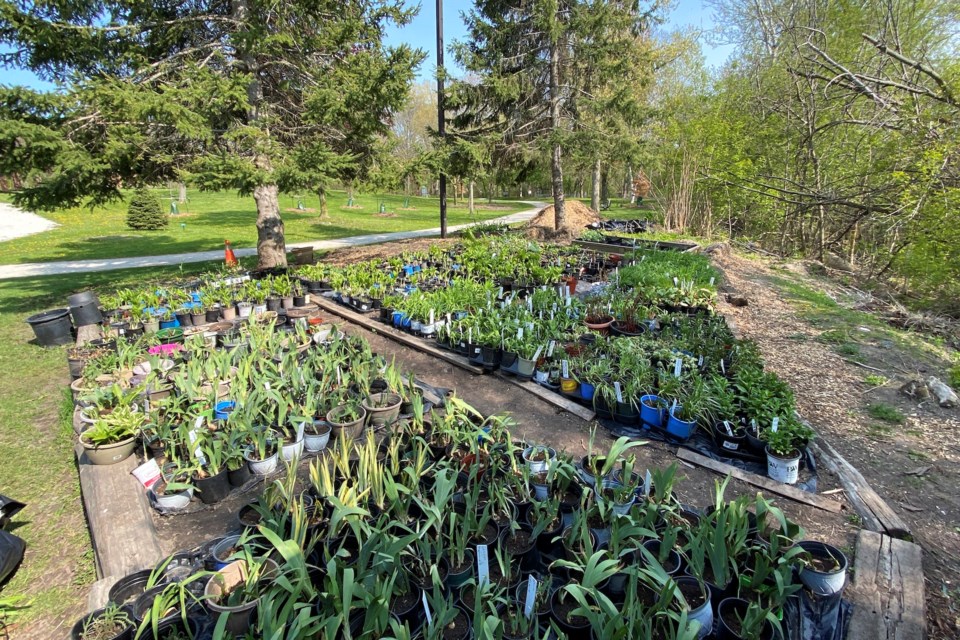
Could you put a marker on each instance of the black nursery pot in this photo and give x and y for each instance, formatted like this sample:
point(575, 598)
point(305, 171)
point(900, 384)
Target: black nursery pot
point(215, 488)
point(735, 443)
point(128, 588)
point(77, 632)
point(239, 477)
point(184, 318)
point(491, 357)
point(273, 303)
point(730, 612)
point(212, 315)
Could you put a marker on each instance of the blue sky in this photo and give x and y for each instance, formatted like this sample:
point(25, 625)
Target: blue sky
point(421, 33)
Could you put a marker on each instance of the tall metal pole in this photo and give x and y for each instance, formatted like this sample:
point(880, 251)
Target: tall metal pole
point(441, 119)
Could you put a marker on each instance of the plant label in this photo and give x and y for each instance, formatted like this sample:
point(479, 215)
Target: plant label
point(568, 300)
point(266, 385)
point(339, 379)
point(300, 431)
point(531, 597)
point(519, 333)
point(723, 367)
point(673, 407)
point(449, 319)
point(426, 608)
point(676, 367)
point(775, 425)
point(711, 281)
point(550, 348)
point(530, 326)
point(676, 282)
point(483, 565)
point(536, 354)
point(647, 482)
point(469, 335)
point(431, 316)
point(148, 473)
point(616, 388)
point(700, 362)
point(566, 369)
point(726, 425)
point(500, 292)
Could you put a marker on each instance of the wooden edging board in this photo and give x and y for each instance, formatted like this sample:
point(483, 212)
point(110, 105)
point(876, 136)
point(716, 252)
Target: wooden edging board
point(602, 247)
point(887, 589)
point(422, 345)
point(876, 513)
point(778, 488)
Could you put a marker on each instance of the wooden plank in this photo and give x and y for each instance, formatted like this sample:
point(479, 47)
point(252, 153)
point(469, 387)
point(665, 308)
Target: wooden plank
point(396, 336)
point(121, 526)
point(886, 590)
point(549, 396)
point(422, 345)
point(772, 486)
point(876, 513)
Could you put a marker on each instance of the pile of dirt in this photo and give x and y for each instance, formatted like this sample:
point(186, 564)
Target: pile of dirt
point(577, 217)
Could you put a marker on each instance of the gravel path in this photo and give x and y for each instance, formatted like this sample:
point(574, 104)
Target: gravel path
point(30, 269)
point(17, 223)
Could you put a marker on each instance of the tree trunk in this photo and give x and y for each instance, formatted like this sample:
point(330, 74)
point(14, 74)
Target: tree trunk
point(271, 248)
point(323, 203)
point(556, 168)
point(595, 192)
point(182, 197)
point(470, 203)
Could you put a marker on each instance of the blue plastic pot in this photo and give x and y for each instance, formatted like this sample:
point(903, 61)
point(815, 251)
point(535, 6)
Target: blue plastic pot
point(678, 428)
point(398, 317)
point(169, 324)
point(222, 410)
point(587, 390)
point(652, 416)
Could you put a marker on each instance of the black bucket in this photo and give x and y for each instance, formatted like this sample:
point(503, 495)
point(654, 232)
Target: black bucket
point(86, 314)
point(52, 327)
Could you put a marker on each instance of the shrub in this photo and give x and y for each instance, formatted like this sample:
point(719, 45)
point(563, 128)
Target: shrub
point(145, 212)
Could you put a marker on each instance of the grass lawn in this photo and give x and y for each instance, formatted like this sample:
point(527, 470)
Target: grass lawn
point(36, 454)
point(208, 218)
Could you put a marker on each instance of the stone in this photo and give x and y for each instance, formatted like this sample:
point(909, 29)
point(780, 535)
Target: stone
point(942, 392)
point(915, 389)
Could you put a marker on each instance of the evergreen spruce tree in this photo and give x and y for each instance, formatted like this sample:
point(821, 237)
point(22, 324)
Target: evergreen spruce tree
point(144, 212)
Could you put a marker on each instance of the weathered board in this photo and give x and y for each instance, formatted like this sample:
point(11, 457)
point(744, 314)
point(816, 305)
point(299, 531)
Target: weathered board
point(876, 513)
point(121, 527)
point(772, 486)
point(886, 590)
point(422, 345)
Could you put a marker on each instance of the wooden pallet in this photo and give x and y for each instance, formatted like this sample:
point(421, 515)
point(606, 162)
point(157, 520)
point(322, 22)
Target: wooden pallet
point(886, 590)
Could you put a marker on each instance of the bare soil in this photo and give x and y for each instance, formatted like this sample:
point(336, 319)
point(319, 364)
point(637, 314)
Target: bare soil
point(576, 216)
point(913, 465)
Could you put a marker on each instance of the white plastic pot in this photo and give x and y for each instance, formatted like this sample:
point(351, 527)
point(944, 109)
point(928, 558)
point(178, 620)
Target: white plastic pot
point(824, 583)
point(292, 450)
point(315, 443)
point(244, 309)
point(261, 467)
point(785, 470)
point(538, 466)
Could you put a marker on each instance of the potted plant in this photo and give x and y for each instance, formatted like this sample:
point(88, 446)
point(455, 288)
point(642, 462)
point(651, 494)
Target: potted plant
point(262, 455)
point(538, 458)
point(743, 620)
point(233, 593)
point(347, 419)
point(382, 408)
point(173, 491)
point(211, 480)
point(110, 623)
point(824, 569)
point(113, 437)
point(783, 450)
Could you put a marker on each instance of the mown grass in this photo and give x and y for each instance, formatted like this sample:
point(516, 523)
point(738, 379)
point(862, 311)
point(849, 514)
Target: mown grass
point(36, 451)
point(207, 219)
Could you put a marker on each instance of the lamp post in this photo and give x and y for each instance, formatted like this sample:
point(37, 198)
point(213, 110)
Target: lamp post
point(441, 120)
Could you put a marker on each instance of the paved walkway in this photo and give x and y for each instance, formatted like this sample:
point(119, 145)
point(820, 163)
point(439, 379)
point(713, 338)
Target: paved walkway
point(31, 269)
point(17, 223)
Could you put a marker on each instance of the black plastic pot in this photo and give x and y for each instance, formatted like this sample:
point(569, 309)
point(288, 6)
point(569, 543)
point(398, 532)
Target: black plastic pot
point(76, 366)
point(508, 359)
point(239, 477)
point(573, 631)
point(273, 303)
point(730, 611)
point(128, 588)
point(184, 317)
point(490, 357)
point(212, 315)
point(735, 443)
point(85, 309)
point(77, 632)
point(52, 327)
point(299, 301)
point(198, 319)
point(170, 625)
point(214, 488)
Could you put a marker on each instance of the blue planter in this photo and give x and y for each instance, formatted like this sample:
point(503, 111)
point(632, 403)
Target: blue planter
point(678, 428)
point(398, 317)
point(587, 390)
point(169, 324)
point(652, 416)
point(222, 410)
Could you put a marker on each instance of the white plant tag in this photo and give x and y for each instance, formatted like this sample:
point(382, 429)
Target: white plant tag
point(519, 333)
point(469, 335)
point(500, 292)
point(566, 369)
point(676, 367)
point(550, 348)
point(647, 481)
point(266, 385)
point(674, 406)
point(339, 380)
point(776, 424)
point(449, 319)
point(536, 355)
point(676, 283)
point(711, 281)
point(426, 608)
point(531, 598)
point(723, 367)
point(726, 425)
point(700, 361)
point(568, 300)
point(431, 316)
point(616, 388)
point(300, 431)
point(483, 565)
